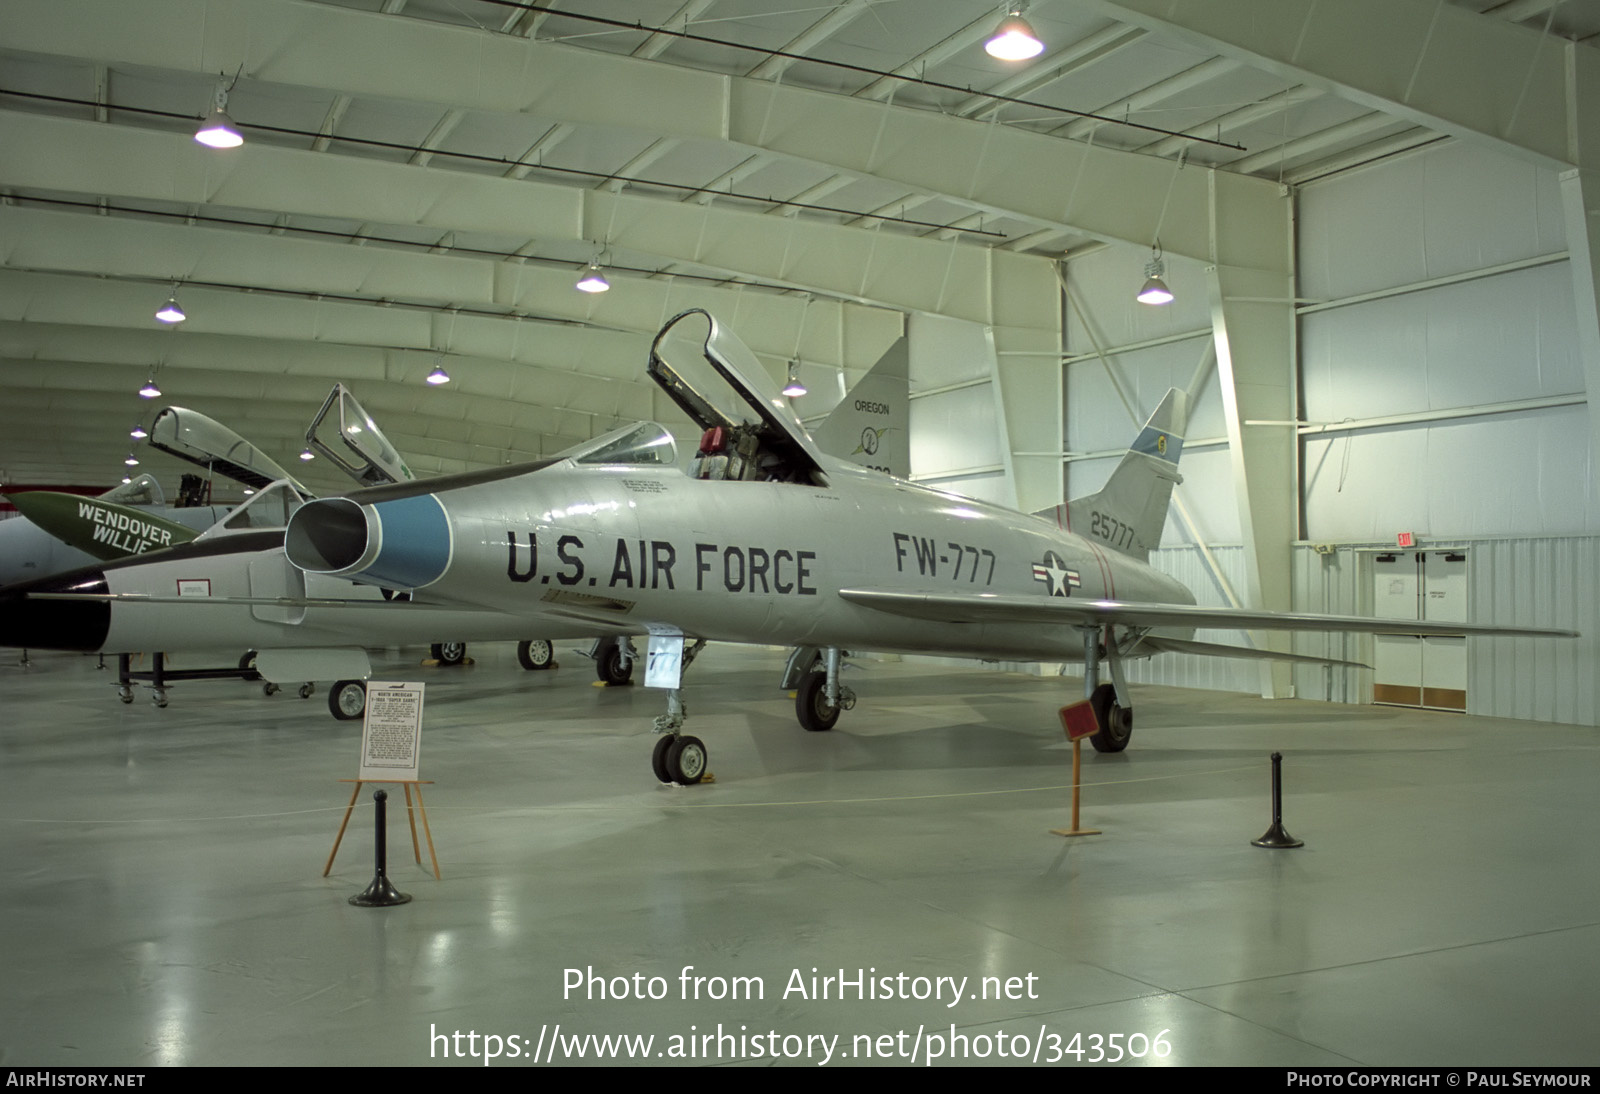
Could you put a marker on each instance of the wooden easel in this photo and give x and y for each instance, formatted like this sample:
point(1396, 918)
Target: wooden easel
point(406, 785)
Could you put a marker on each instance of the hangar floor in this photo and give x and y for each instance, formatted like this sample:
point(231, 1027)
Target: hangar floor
point(163, 900)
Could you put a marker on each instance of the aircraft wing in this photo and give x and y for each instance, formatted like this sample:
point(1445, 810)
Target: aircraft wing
point(1160, 644)
point(1072, 612)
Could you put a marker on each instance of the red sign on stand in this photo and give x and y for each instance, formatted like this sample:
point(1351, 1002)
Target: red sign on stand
point(1079, 721)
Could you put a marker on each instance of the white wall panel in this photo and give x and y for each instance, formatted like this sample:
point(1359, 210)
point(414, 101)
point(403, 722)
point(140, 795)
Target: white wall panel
point(1511, 474)
point(1186, 670)
point(1095, 419)
point(954, 431)
point(947, 351)
point(1445, 210)
point(958, 430)
point(1502, 338)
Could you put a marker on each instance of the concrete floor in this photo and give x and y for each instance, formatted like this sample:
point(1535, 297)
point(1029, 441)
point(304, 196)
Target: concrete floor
point(163, 900)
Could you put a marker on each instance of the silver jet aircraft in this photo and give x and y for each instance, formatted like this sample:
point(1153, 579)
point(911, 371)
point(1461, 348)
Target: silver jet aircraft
point(760, 537)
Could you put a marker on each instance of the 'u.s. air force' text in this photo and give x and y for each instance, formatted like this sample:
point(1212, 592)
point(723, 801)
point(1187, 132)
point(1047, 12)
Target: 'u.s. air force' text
point(617, 563)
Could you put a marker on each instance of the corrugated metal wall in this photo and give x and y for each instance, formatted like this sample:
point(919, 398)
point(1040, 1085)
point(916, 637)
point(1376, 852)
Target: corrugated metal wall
point(1549, 581)
point(1437, 290)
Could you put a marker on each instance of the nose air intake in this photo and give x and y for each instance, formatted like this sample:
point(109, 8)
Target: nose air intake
point(401, 544)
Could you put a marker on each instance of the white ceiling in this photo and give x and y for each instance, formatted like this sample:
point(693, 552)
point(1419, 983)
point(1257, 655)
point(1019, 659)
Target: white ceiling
point(423, 178)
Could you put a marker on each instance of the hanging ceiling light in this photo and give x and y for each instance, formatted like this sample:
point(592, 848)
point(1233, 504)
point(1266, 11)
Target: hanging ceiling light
point(438, 375)
point(307, 454)
point(170, 312)
point(132, 460)
point(150, 391)
point(1155, 290)
point(794, 388)
point(593, 280)
point(138, 432)
point(1013, 39)
point(218, 130)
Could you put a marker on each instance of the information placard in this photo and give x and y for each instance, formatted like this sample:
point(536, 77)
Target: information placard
point(391, 732)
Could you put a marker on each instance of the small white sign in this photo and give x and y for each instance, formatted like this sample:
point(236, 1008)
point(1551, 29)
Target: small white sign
point(391, 732)
point(194, 586)
point(663, 667)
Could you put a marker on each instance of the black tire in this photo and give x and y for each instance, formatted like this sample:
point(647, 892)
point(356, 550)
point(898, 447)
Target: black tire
point(347, 700)
point(609, 664)
point(449, 653)
point(811, 704)
point(247, 665)
point(536, 654)
point(1116, 722)
point(658, 758)
point(686, 760)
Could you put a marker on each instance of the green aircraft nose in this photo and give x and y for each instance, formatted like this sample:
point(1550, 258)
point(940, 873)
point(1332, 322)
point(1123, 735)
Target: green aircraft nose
point(103, 529)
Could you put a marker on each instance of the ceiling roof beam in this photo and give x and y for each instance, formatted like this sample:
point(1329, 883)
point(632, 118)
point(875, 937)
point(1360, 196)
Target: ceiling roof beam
point(878, 267)
point(657, 44)
point(1046, 180)
point(1433, 64)
point(1073, 58)
point(836, 20)
point(436, 136)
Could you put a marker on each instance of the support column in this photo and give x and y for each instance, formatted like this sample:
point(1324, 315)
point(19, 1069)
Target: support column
point(1025, 305)
point(1580, 202)
point(1253, 328)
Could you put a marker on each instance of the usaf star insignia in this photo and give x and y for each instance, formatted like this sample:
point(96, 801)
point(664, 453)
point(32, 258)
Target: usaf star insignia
point(1054, 573)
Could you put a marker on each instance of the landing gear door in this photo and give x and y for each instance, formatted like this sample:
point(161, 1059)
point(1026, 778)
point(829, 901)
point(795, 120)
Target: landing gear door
point(360, 450)
point(272, 576)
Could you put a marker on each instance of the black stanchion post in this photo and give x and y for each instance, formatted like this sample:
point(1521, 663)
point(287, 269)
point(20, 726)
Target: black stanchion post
point(380, 894)
point(1276, 836)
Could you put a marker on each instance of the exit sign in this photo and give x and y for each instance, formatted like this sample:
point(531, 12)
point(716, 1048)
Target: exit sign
point(1406, 539)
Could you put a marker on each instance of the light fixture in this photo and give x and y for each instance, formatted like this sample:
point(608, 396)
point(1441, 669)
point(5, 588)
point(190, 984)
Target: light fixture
point(593, 280)
point(307, 454)
point(794, 388)
point(1013, 39)
point(138, 432)
point(1155, 290)
point(218, 130)
point(439, 375)
point(150, 391)
point(132, 460)
point(126, 479)
point(170, 311)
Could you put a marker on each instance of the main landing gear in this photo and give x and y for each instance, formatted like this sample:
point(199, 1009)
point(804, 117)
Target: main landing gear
point(1112, 710)
point(347, 699)
point(677, 757)
point(819, 696)
point(449, 653)
point(536, 654)
point(613, 660)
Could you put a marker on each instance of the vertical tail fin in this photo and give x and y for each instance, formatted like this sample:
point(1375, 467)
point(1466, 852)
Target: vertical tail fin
point(1129, 513)
point(871, 425)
